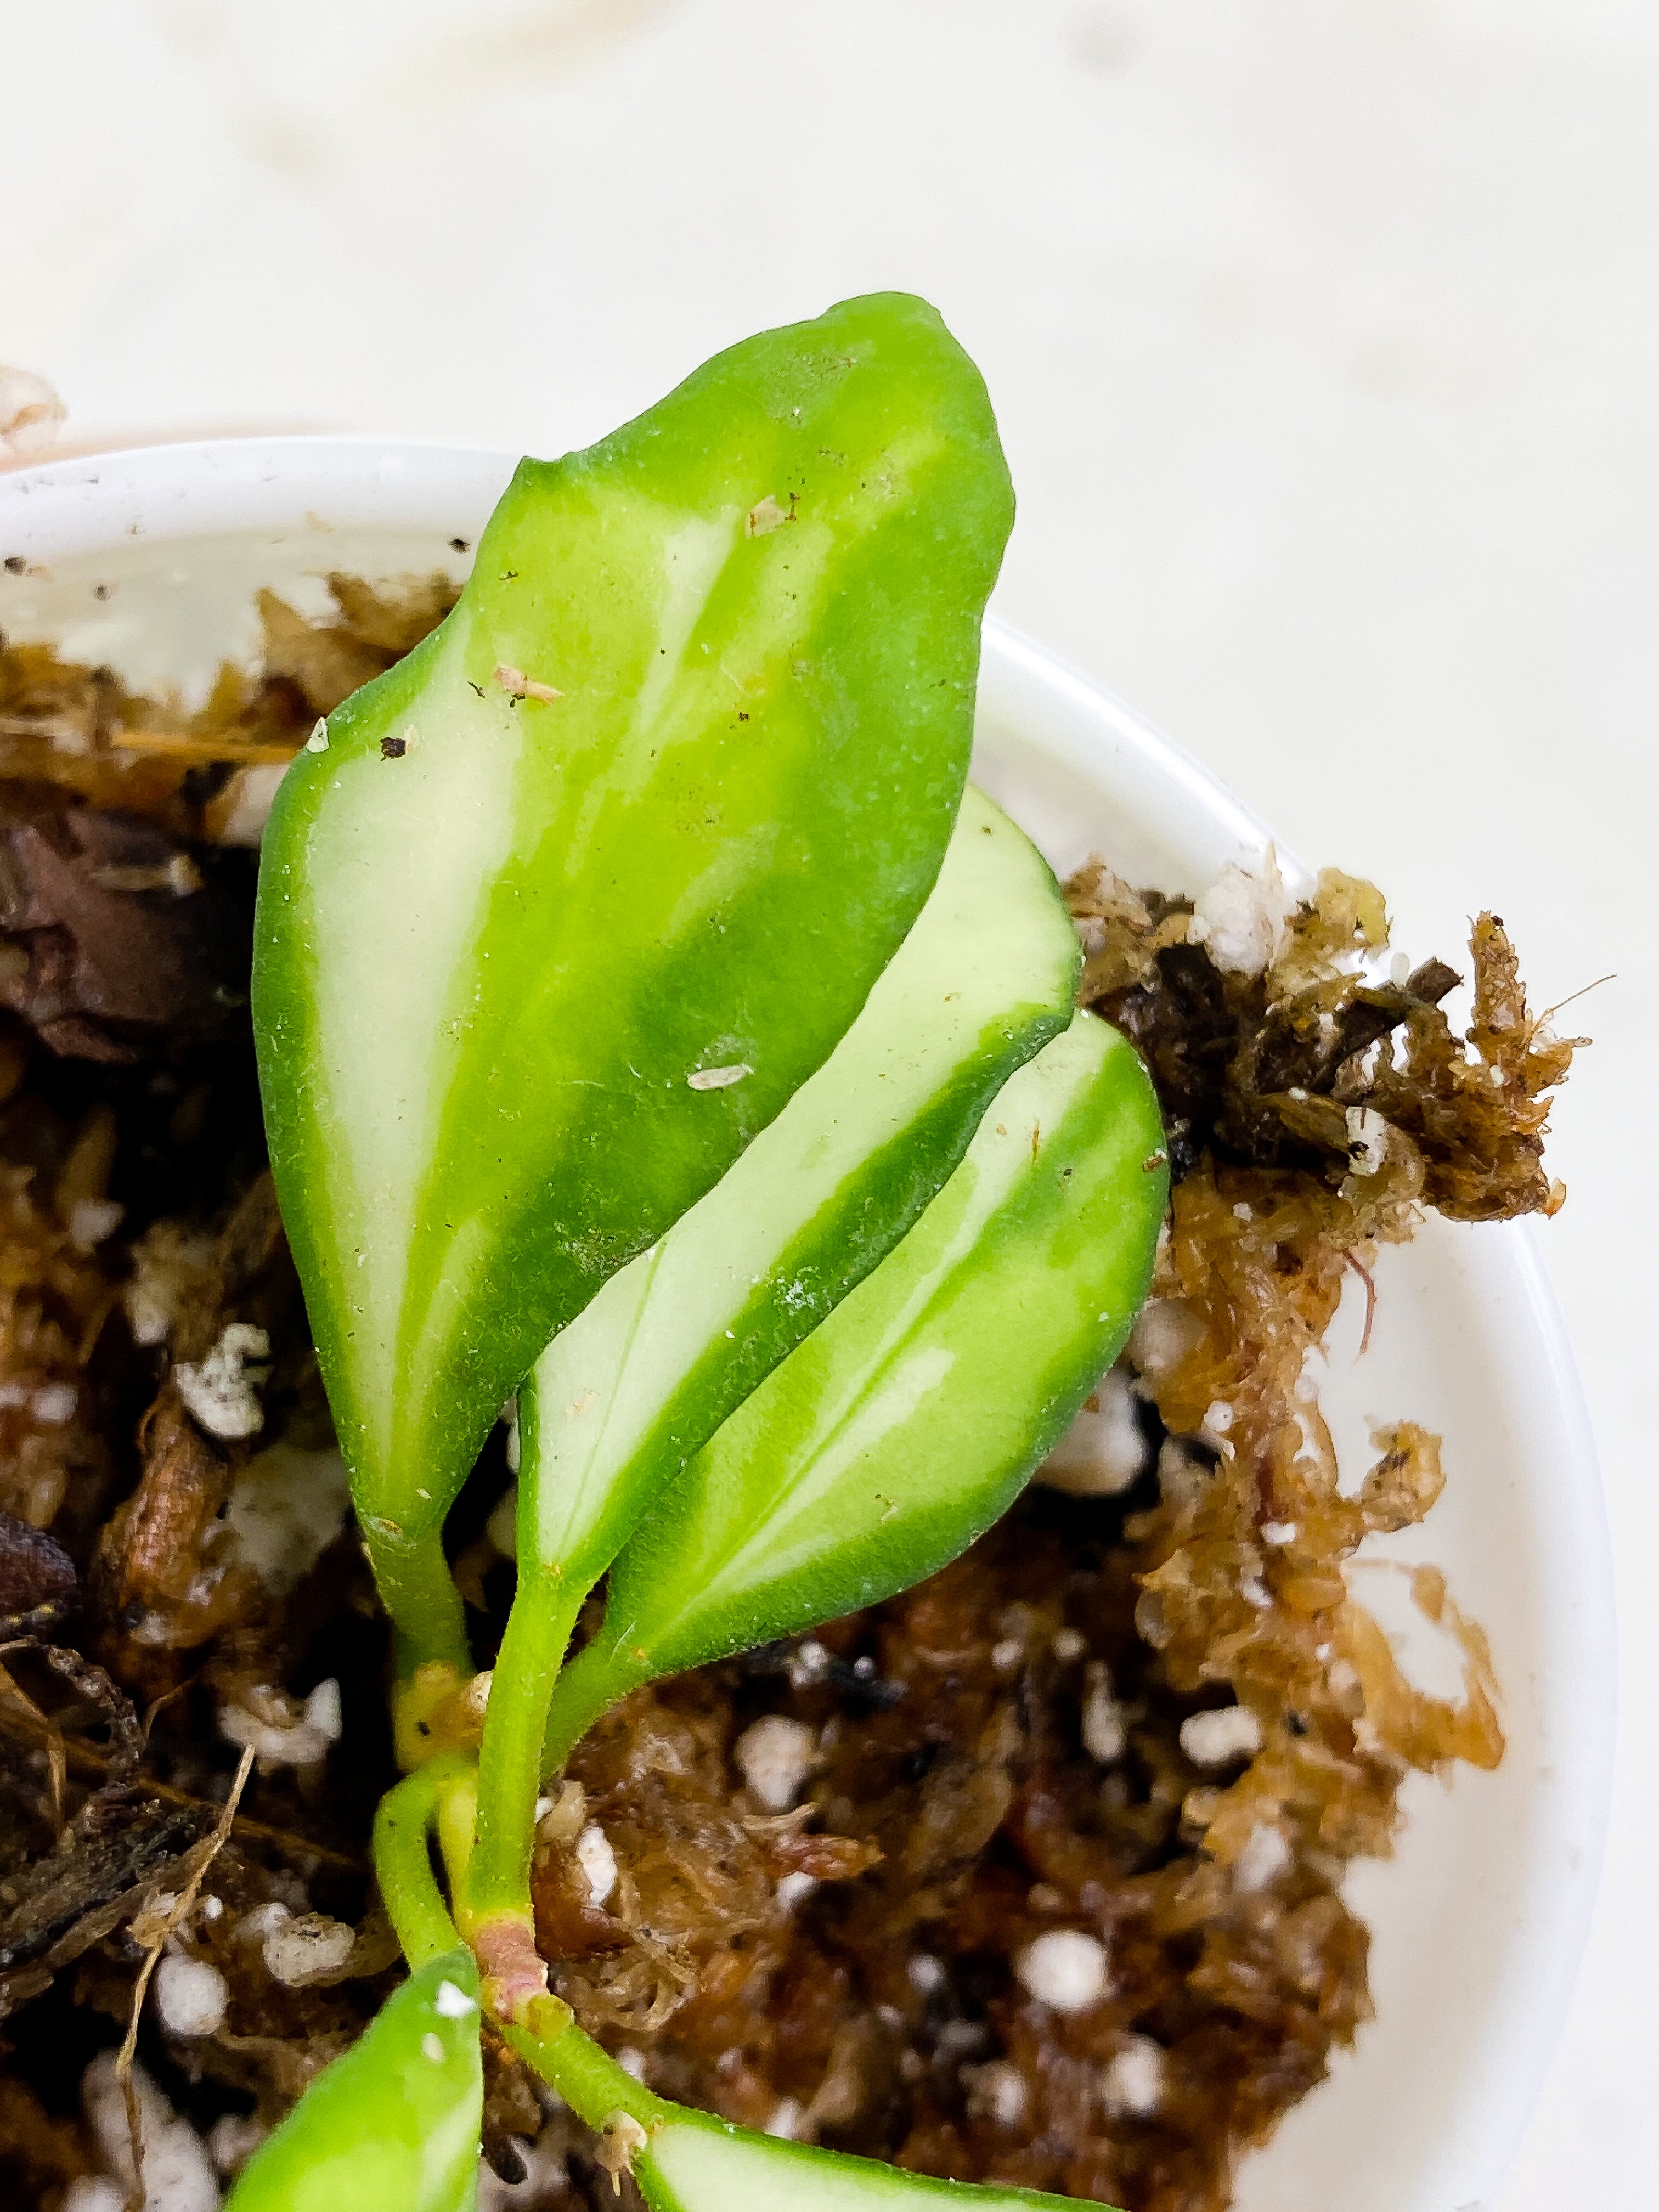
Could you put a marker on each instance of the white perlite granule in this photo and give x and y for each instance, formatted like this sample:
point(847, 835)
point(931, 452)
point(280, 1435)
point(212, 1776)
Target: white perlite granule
point(1368, 1139)
point(794, 1889)
point(1265, 1854)
point(502, 1526)
point(999, 2091)
point(279, 1732)
point(253, 1926)
point(87, 2194)
point(1103, 1451)
point(1064, 1969)
point(1217, 1738)
point(166, 1261)
point(91, 1220)
point(1104, 1737)
point(1240, 919)
point(191, 1996)
point(286, 1507)
point(598, 1862)
point(178, 2174)
point(1132, 2085)
point(239, 815)
point(774, 1756)
point(53, 1404)
point(233, 2139)
point(545, 2177)
point(562, 1815)
point(1167, 1330)
point(452, 2003)
point(312, 1948)
point(220, 1392)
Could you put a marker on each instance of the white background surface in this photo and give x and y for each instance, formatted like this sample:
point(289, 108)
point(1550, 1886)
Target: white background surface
point(1324, 339)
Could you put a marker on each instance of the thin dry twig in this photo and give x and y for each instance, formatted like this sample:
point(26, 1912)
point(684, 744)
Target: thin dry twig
point(246, 752)
point(157, 1705)
point(1370, 1281)
point(56, 1757)
point(1550, 1013)
point(127, 1744)
point(19, 1629)
point(181, 1905)
point(88, 1763)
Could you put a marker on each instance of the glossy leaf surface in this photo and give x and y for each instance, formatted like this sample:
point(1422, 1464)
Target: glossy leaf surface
point(392, 2122)
point(910, 1421)
point(675, 1343)
point(579, 894)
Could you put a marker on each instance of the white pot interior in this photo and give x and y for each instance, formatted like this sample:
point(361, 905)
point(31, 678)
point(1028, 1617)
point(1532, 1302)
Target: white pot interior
point(1479, 1920)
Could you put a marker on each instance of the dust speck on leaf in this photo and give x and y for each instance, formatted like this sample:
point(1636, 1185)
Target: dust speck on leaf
point(766, 515)
point(518, 685)
point(718, 1078)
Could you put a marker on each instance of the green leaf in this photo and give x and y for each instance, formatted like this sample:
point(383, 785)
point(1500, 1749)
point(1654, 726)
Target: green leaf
point(504, 939)
point(699, 2164)
point(911, 1420)
point(394, 2121)
point(673, 1344)
point(617, 1404)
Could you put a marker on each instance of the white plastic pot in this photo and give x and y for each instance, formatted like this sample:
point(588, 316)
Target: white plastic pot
point(1479, 1919)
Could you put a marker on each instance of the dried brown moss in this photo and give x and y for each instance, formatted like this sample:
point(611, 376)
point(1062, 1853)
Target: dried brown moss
point(998, 1753)
point(1272, 1069)
point(79, 730)
point(135, 1222)
point(886, 2013)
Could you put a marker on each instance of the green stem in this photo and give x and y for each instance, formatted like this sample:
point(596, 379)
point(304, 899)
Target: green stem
point(532, 1651)
point(403, 1858)
point(418, 1591)
point(591, 2083)
point(590, 1685)
point(458, 1814)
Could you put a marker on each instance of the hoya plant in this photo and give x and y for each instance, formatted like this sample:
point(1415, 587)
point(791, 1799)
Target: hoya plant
point(656, 1029)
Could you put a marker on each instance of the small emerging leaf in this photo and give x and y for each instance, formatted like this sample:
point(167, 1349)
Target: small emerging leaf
point(394, 2122)
point(911, 1420)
